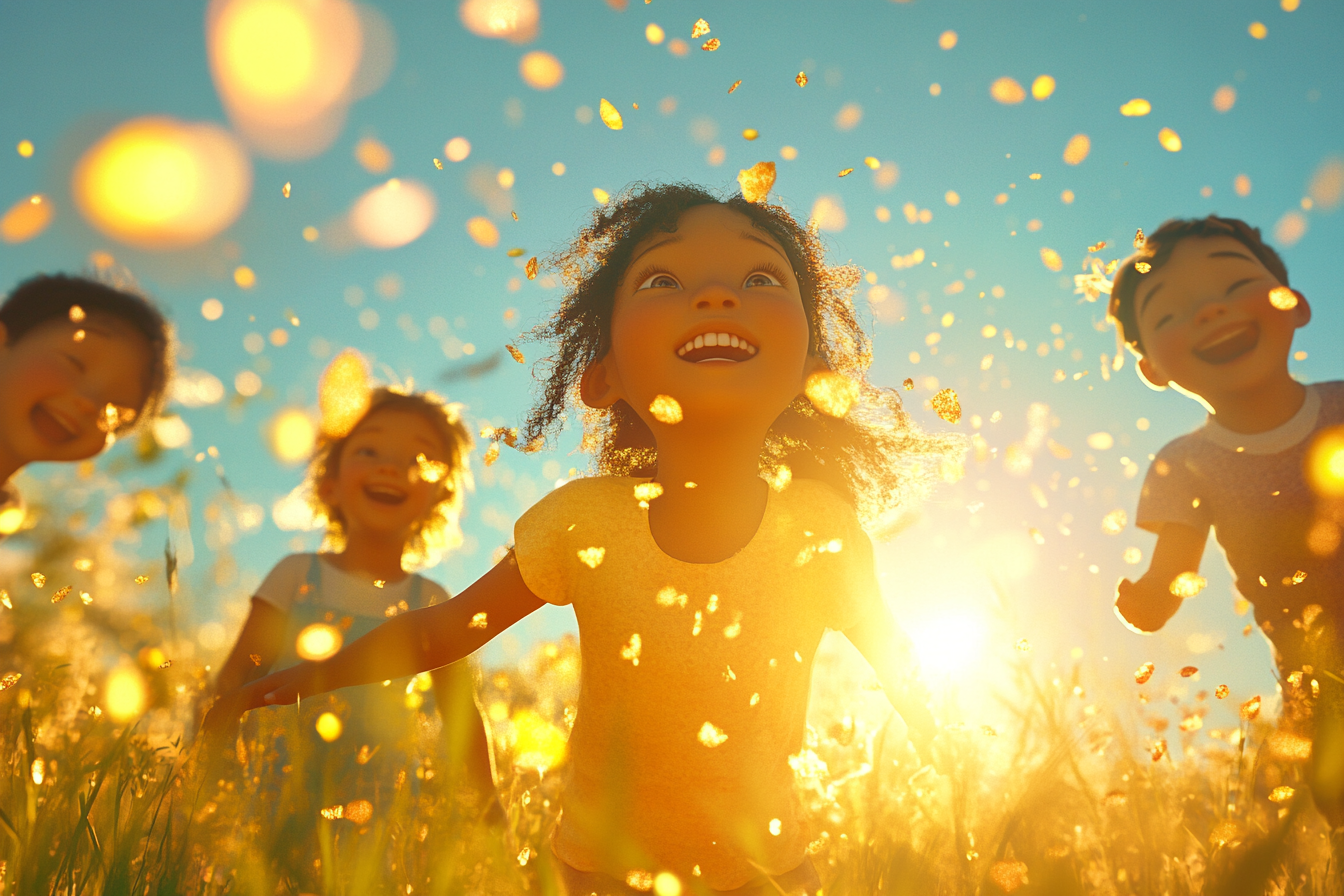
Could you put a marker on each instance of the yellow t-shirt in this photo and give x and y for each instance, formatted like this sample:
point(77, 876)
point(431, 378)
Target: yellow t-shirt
point(695, 676)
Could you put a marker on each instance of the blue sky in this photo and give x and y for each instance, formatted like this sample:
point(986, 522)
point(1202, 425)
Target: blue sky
point(72, 70)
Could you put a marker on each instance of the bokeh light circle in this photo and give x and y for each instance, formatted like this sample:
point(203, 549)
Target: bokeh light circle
point(158, 183)
point(393, 214)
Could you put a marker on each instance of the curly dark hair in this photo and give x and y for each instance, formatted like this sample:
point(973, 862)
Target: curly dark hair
point(1156, 251)
point(874, 454)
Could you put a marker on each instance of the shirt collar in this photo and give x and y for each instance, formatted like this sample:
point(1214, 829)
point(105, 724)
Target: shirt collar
point(1272, 441)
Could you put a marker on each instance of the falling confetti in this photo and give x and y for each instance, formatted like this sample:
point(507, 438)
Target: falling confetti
point(1023, 645)
point(166, 664)
point(1097, 247)
point(1283, 298)
point(332, 813)
point(711, 45)
point(592, 557)
point(4, 599)
point(1139, 239)
point(610, 116)
point(1007, 91)
point(77, 314)
point(61, 594)
point(255, 658)
point(1221, 691)
point(666, 409)
point(531, 268)
point(1187, 584)
point(844, 172)
point(1114, 522)
point(9, 680)
point(736, 84)
point(1281, 794)
point(1142, 267)
point(699, 29)
point(438, 164)
point(1136, 108)
point(831, 393)
point(647, 491)
point(515, 354)
point(801, 79)
point(38, 579)
point(1187, 671)
point(908, 384)
point(491, 454)
point(380, 583)
point(285, 190)
point(1008, 876)
point(1250, 709)
point(1170, 140)
point(1050, 258)
point(1076, 150)
point(1143, 673)
point(632, 649)
point(711, 735)
point(946, 405)
point(756, 181)
point(1299, 577)
point(359, 811)
point(1158, 749)
point(479, 620)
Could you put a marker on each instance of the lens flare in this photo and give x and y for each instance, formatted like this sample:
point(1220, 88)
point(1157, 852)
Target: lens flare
point(538, 744)
point(541, 71)
point(393, 214)
point(343, 394)
point(949, 643)
point(329, 726)
point(124, 693)
point(318, 641)
point(517, 21)
point(157, 183)
point(26, 219)
point(293, 435)
point(1325, 463)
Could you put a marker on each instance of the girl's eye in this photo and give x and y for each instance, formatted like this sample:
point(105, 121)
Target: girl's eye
point(659, 281)
point(761, 278)
point(365, 452)
point(75, 362)
point(1164, 320)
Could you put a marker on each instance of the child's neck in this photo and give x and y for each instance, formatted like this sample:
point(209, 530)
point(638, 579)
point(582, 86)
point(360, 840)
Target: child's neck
point(718, 516)
point(373, 555)
point(1261, 408)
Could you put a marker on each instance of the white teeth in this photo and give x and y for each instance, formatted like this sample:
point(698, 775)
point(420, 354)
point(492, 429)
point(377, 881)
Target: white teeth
point(699, 342)
point(688, 346)
point(735, 341)
point(711, 339)
point(717, 340)
point(723, 338)
point(751, 349)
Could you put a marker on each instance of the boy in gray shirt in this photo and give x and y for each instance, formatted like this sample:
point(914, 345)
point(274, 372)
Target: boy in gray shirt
point(1206, 306)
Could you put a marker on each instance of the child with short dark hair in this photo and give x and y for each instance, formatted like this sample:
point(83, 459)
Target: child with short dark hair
point(1206, 306)
point(80, 363)
point(740, 451)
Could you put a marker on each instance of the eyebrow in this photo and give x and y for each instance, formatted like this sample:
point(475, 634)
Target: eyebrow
point(1225, 253)
point(671, 239)
point(1148, 298)
point(767, 244)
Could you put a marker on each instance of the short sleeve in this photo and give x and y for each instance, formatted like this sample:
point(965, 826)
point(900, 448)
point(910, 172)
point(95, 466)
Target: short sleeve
point(849, 574)
point(539, 545)
point(282, 583)
point(1171, 492)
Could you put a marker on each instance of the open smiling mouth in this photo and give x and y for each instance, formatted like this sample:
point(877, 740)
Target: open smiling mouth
point(1230, 345)
point(51, 427)
point(716, 347)
point(384, 495)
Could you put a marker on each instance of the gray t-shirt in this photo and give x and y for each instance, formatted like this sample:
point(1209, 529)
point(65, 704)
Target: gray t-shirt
point(1253, 491)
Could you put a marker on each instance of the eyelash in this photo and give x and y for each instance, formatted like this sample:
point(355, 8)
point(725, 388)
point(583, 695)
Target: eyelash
point(768, 268)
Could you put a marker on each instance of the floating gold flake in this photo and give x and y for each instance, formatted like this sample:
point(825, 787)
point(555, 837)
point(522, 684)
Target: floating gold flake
point(610, 116)
point(831, 393)
point(331, 813)
point(780, 478)
point(711, 735)
point(1076, 150)
point(359, 811)
point(1299, 577)
point(430, 470)
point(515, 354)
point(750, 134)
point(285, 190)
point(592, 557)
point(1187, 584)
point(601, 195)
point(699, 29)
point(9, 680)
point(60, 594)
point(38, 579)
point(479, 620)
point(666, 409)
point(166, 664)
point(1143, 673)
point(1281, 794)
point(1187, 671)
point(647, 491)
point(1158, 749)
point(531, 268)
point(515, 215)
point(1289, 746)
point(632, 649)
point(1007, 91)
point(1251, 708)
point(380, 583)
point(1050, 258)
point(77, 314)
point(1097, 247)
point(1139, 239)
point(1221, 691)
point(1023, 645)
point(514, 253)
point(946, 405)
point(1283, 298)
point(1008, 876)
point(438, 164)
point(756, 181)
point(1115, 799)
point(669, 596)
point(1191, 723)
point(735, 85)
point(255, 658)
point(908, 383)
point(711, 45)
point(1114, 522)
point(1136, 108)
point(801, 79)
point(491, 454)
point(1142, 267)
point(1170, 140)
point(4, 599)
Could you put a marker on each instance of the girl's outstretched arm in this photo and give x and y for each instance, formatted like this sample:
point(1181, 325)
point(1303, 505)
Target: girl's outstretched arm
point(405, 645)
point(261, 637)
point(888, 650)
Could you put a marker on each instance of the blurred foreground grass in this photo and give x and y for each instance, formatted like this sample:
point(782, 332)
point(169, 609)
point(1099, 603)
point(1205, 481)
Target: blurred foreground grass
point(100, 793)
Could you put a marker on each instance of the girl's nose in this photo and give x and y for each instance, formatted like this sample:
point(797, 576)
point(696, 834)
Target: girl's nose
point(1210, 311)
point(715, 297)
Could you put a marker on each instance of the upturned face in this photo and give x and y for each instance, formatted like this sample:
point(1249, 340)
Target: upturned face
point(1208, 323)
point(712, 316)
point(64, 386)
point(377, 486)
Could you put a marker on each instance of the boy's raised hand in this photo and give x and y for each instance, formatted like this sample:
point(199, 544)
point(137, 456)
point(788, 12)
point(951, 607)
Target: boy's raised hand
point(1146, 605)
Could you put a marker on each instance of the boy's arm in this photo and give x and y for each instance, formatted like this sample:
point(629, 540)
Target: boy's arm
point(889, 652)
point(1146, 605)
point(260, 637)
point(405, 645)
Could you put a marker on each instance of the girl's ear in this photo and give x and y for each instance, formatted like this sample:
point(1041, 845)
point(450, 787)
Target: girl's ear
point(1301, 313)
point(326, 490)
point(598, 387)
point(1152, 377)
point(813, 364)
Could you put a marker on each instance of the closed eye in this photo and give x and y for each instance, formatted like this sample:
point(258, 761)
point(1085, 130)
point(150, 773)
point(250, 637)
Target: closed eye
point(1165, 319)
point(761, 278)
point(659, 280)
point(79, 365)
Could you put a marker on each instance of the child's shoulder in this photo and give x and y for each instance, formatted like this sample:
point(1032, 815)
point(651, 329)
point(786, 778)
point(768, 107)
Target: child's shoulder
point(1332, 401)
point(294, 562)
